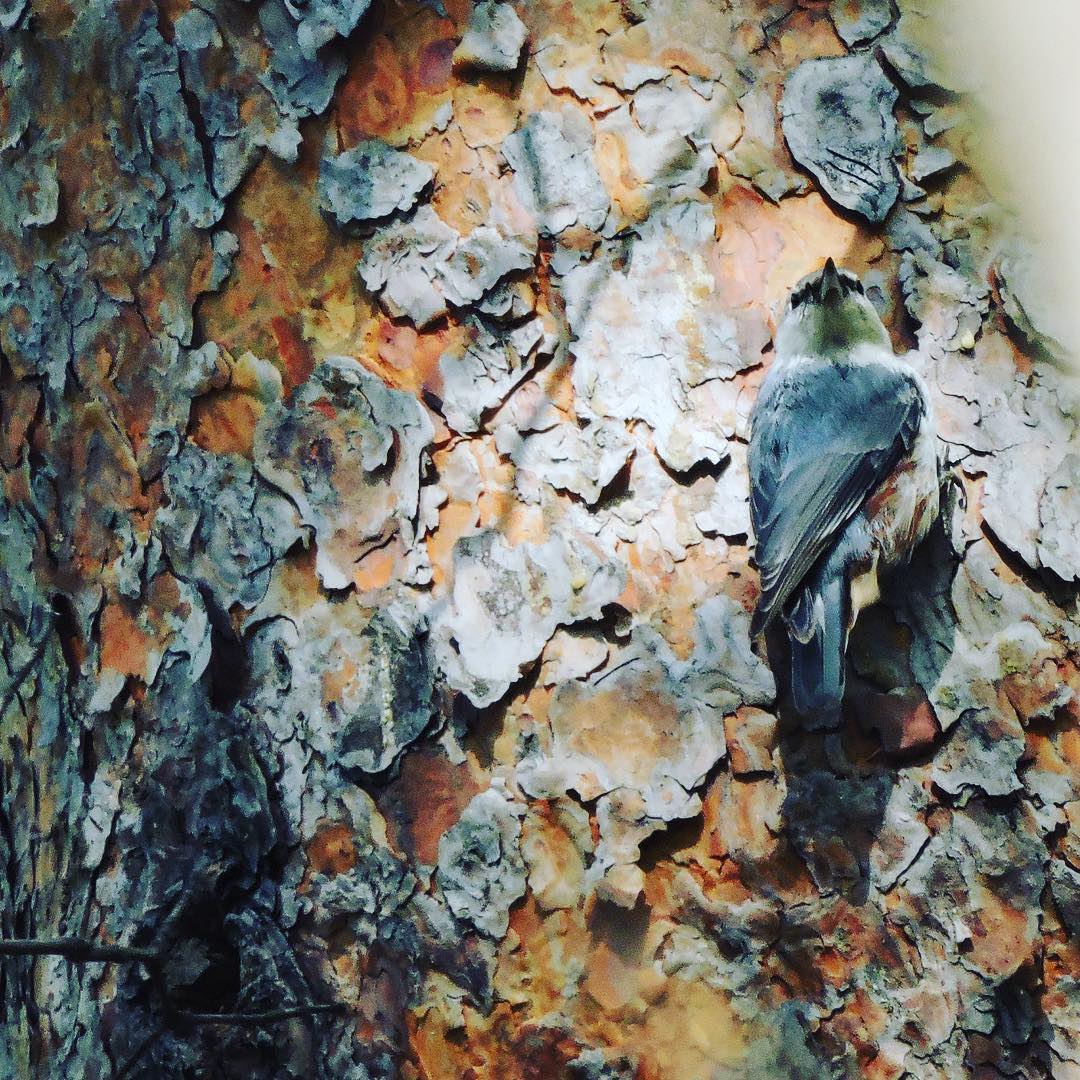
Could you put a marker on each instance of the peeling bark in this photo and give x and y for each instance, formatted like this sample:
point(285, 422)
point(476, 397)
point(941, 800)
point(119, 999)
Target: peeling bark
point(375, 675)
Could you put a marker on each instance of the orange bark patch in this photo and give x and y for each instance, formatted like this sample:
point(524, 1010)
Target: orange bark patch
point(690, 1032)
point(764, 249)
point(19, 408)
point(555, 862)
point(485, 117)
point(332, 851)
point(376, 570)
point(627, 731)
point(407, 358)
point(750, 807)
point(125, 646)
point(375, 97)
point(223, 422)
point(336, 682)
point(859, 1025)
point(295, 355)
point(396, 83)
point(425, 801)
point(1032, 694)
point(325, 407)
point(293, 293)
point(549, 946)
point(807, 35)
point(1001, 937)
point(455, 520)
point(542, 1052)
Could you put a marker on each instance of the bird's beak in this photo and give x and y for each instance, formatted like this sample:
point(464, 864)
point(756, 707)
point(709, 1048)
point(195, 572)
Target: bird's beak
point(830, 286)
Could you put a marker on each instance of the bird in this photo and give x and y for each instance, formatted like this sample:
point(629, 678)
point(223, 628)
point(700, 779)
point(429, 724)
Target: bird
point(844, 471)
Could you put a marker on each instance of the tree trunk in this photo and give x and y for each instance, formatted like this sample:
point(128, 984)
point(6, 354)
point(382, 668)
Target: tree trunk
point(378, 697)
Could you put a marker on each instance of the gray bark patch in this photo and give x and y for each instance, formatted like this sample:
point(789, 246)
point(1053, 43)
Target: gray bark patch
point(838, 121)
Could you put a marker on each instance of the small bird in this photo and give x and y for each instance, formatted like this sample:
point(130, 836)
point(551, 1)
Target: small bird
point(843, 476)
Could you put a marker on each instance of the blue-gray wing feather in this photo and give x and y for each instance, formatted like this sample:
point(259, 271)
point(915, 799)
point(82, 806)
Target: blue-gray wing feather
point(823, 438)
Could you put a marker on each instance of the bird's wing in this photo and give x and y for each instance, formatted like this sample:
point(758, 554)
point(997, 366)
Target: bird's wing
point(823, 438)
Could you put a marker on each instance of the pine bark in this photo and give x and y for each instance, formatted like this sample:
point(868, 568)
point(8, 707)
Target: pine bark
point(376, 685)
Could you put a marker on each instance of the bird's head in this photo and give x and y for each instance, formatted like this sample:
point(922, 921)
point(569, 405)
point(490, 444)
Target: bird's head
point(827, 315)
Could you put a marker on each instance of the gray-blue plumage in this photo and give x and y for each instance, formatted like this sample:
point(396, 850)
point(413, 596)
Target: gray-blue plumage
point(839, 475)
point(825, 436)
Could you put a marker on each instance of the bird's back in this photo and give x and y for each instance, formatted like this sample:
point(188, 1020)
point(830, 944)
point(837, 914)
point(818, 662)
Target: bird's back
point(825, 435)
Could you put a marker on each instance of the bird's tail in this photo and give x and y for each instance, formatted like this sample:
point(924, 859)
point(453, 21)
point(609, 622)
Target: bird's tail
point(819, 632)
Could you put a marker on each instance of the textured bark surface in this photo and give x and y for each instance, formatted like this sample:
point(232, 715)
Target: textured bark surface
point(375, 568)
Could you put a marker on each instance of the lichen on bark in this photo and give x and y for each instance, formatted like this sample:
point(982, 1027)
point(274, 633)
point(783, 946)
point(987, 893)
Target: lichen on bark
point(375, 568)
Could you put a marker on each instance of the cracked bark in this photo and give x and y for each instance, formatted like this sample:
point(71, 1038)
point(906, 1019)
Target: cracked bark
point(375, 681)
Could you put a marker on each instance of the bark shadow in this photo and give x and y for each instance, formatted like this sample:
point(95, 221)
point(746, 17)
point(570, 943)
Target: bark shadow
point(841, 772)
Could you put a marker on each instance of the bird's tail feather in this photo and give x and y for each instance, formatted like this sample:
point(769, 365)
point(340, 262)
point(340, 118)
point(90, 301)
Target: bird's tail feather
point(817, 663)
